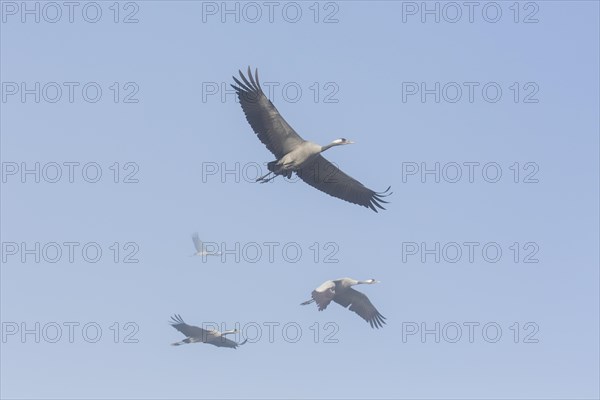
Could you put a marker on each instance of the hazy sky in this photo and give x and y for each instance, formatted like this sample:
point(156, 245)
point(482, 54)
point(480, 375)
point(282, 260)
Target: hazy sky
point(120, 138)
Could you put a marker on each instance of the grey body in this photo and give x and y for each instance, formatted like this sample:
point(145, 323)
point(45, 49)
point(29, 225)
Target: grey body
point(296, 155)
point(341, 292)
point(303, 154)
point(195, 334)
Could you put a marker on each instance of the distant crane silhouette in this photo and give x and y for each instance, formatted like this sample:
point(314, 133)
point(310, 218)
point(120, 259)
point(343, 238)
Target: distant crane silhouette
point(200, 248)
point(196, 334)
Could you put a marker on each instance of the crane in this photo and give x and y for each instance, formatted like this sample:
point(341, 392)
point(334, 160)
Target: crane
point(195, 334)
point(200, 248)
point(341, 291)
point(295, 154)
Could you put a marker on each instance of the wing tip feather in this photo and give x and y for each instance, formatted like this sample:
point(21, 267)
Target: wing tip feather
point(377, 198)
point(248, 88)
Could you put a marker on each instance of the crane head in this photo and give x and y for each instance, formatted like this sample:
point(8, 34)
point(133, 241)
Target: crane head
point(341, 141)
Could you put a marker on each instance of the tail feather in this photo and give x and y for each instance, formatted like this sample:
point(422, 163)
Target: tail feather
point(307, 302)
point(271, 166)
point(278, 169)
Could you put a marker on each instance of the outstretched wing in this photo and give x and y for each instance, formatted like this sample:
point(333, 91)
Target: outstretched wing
point(275, 133)
point(189, 330)
point(360, 304)
point(323, 175)
point(224, 342)
point(197, 242)
point(324, 294)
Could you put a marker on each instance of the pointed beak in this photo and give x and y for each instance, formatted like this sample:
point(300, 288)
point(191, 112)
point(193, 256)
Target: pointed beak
point(349, 142)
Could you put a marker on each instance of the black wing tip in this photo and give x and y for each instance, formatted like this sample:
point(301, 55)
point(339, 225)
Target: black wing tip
point(385, 193)
point(236, 345)
point(176, 319)
point(251, 82)
point(377, 198)
point(377, 321)
point(248, 88)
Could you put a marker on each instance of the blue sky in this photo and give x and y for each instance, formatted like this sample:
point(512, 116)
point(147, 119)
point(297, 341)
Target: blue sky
point(164, 124)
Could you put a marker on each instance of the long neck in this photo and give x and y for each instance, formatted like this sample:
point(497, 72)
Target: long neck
point(228, 332)
point(330, 145)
